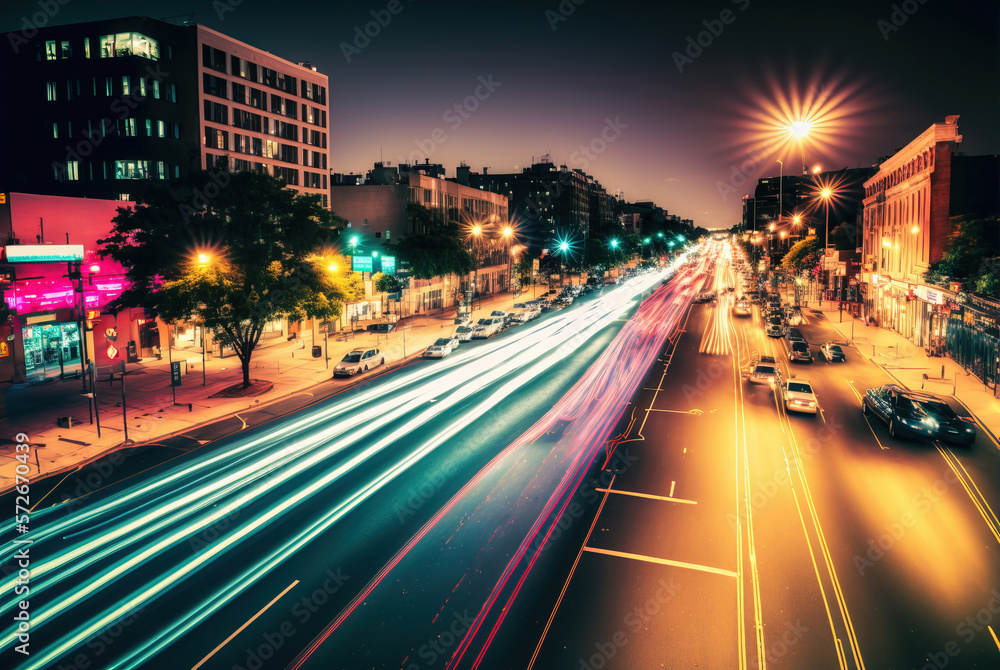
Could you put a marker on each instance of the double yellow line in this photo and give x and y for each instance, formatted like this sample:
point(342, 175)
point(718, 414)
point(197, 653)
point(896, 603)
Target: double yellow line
point(965, 479)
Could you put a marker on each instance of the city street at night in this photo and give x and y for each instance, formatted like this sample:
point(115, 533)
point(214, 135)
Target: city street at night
point(530, 336)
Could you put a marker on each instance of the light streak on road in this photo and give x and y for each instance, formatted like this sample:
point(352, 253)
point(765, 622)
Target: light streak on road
point(97, 549)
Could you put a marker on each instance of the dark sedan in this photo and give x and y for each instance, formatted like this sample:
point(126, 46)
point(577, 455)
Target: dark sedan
point(833, 353)
point(916, 414)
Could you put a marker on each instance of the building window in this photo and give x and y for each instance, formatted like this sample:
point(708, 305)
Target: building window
point(213, 85)
point(86, 47)
point(50, 50)
point(161, 170)
point(387, 234)
point(50, 91)
point(177, 172)
point(131, 169)
point(149, 127)
point(213, 58)
point(73, 170)
point(126, 85)
point(108, 87)
point(156, 89)
point(129, 44)
point(55, 130)
point(239, 93)
point(65, 50)
point(69, 129)
point(161, 129)
point(129, 127)
point(142, 86)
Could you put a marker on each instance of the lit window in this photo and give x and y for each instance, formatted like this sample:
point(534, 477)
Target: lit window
point(161, 169)
point(55, 130)
point(65, 50)
point(161, 129)
point(86, 47)
point(129, 127)
point(50, 50)
point(173, 93)
point(108, 86)
point(50, 91)
point(156, 89)
point(131, 169)
point(126, 85)
point(129, 44)
point(149, 127)
point(142, 86)
point(73, 170)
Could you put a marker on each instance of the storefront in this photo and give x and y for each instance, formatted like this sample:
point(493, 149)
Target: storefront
point(973, 338)
point(52, 348)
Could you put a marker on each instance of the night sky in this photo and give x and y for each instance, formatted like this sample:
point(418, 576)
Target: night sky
point(561, 79)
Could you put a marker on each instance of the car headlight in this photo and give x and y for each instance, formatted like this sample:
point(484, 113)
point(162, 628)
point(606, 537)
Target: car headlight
point(812, 404)
point(902, 421)
point(970, 430)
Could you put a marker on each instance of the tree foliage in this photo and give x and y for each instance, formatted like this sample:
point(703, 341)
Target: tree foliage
point(803, 256)
point(972, 243)
point(384, 283)
point(437, 248)
point(233, 257)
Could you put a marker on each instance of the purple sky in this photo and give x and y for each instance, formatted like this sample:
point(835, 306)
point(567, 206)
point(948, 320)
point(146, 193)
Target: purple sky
point(600, 88)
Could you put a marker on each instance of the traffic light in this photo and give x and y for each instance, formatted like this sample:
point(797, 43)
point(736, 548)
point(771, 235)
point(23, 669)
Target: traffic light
point(93, 317)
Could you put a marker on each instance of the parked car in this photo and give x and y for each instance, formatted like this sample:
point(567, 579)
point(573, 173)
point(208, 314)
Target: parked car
point(798, 396)
point(381, 327)
point(505, 317)
point(359, 360)
point(463, 319)
point(486, 328)
point(442, 347)
point(463, 333)
point(531, 311)
point(833, 353)
point(765, 373)
point(798, 352)
point(917, 414)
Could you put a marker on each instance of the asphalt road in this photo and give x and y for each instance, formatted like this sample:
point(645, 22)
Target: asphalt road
point(237, 554)
point(747, 536)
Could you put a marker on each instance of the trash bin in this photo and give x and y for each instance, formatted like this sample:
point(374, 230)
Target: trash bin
point(317, 351)
point(64, 422)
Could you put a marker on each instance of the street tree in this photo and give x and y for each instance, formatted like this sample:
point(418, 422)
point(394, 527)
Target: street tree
point(437, 248)
point(255, 252)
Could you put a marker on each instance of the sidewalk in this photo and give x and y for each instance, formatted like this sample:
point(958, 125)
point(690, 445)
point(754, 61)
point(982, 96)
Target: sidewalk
point(151, 414)
point(908, 363)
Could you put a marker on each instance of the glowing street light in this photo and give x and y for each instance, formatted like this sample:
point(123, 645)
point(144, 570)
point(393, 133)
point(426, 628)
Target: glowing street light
point(203, 260)
point(332, 267)
point(614, 244)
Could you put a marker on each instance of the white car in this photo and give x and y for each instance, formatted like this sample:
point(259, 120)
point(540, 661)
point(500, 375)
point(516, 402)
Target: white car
point(441, 347)
point(486, 328)
point(799, 397)
point(502, 316)
point(529, 312)
point(463, 333)
point(359, 360)
point(765, 373)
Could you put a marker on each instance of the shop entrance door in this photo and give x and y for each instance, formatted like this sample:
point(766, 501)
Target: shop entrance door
point(51, 351)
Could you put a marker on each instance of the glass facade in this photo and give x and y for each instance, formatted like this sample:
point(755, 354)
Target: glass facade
point(51, 350)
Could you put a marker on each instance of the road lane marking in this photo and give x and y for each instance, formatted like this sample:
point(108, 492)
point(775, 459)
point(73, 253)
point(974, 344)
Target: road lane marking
point(672, 484)
point(650, 496)
point(981, 505)
point(562, 593)
point(662, 561)
point(678, 411)
point(249, 621)
point(995, 640)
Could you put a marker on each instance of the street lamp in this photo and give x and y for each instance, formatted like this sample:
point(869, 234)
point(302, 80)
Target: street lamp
point(800, 129)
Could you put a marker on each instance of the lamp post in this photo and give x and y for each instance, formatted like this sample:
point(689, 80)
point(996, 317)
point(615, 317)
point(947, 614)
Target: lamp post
point(203, 262)
point(477, 233)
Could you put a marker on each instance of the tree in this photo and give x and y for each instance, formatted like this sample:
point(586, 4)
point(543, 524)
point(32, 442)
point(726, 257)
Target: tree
point(972, 243)
point(384, 283)
point(803, 256)
point(437, 248)
point(249, 255)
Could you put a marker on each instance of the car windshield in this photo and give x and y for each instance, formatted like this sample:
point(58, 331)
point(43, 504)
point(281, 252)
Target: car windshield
point(485, 322)
point(799, 387)
point(800, 346)
point(933, 408)
point(764, 370)
point(774, 321)
point(352, 357)
point(835, 348)
point(463, 329)
point(441, 342)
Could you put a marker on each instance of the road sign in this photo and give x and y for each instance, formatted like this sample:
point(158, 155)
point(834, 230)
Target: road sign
point(175, 373)
point(4, 349)
point(389, 265)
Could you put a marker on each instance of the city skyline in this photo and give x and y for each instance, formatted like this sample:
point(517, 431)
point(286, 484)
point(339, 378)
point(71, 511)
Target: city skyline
point(422, 86)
